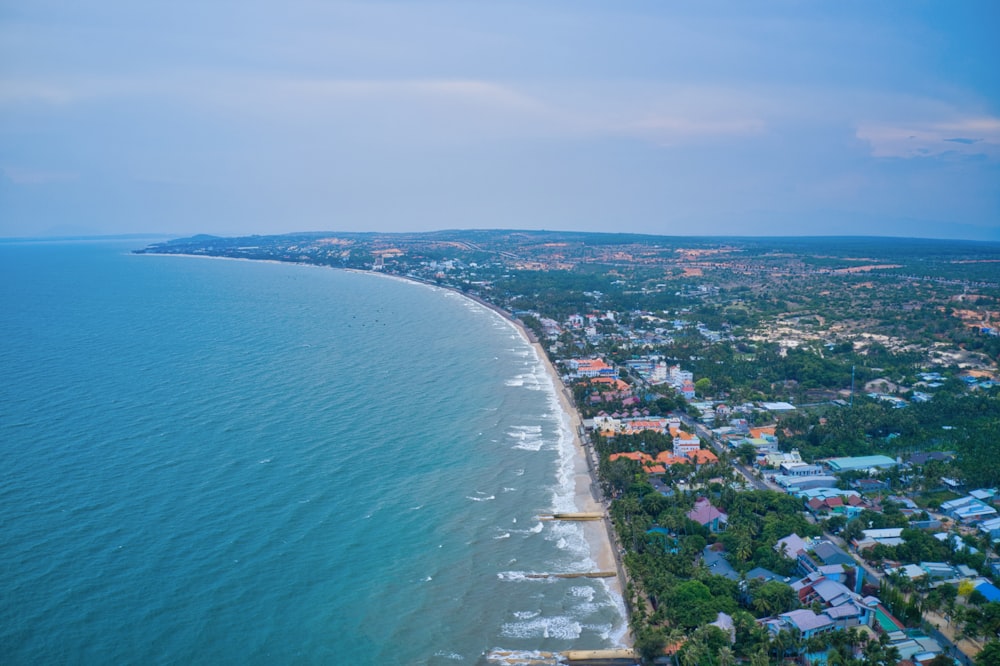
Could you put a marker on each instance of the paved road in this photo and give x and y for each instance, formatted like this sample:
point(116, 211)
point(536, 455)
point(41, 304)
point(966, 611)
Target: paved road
point(706, 435)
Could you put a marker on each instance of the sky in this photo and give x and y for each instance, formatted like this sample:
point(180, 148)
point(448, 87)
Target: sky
point(771, 117)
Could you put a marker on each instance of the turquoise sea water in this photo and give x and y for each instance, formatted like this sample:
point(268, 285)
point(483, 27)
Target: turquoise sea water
point(215, 461)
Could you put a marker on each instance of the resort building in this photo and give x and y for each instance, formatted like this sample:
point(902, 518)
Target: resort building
point(685, 443)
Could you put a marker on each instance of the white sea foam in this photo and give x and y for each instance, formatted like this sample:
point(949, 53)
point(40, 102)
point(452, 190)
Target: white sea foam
point(526, 615)
point(531, 530)
point(582, 591)
point(559, 627)
point(481, 499)
point(454, 656)
point(527, 438)
point(569, 537)
point(602, 630)
point(505, 535)
point(520, 576)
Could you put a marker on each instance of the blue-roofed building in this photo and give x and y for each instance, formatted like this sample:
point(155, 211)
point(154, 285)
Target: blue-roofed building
point(860, 463)
point(988, 590)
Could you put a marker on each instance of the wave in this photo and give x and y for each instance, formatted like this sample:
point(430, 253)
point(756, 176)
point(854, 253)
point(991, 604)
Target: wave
point(481, 499)
point(454, 656)
point(559, 627)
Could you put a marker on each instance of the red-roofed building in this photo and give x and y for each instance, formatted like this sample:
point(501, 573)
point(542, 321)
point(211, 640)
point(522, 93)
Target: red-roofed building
point(703, 457)
point(685, 443)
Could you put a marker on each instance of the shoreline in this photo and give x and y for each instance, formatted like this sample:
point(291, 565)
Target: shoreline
point(599, 535)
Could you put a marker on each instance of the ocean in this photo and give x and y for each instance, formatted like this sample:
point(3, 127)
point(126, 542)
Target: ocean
point(213, 462)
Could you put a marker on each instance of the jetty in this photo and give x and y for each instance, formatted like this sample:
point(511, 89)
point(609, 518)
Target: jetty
point(613, 657)
point(583, 574)
point(602, 657)
point(581, 515)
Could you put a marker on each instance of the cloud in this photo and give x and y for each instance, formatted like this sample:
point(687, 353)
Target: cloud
point(977, 136)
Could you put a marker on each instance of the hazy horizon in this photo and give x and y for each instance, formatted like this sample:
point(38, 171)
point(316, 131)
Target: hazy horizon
point(683, 119)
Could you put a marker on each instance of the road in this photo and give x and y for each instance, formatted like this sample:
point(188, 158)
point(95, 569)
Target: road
point(960, 651)
point(706, 435)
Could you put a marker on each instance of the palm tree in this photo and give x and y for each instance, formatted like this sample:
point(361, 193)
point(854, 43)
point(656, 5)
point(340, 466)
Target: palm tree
point(674, 636)
point(760, 658)
point(692, 653)
point(725, 656)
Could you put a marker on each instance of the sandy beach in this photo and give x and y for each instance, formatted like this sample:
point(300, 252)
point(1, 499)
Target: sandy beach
point(597, 533)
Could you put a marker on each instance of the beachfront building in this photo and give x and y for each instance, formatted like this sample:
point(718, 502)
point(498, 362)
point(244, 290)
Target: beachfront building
point(590, 367)
point(664, 459)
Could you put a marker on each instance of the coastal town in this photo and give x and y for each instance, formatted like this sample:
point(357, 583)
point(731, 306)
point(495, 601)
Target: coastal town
point(794, 440)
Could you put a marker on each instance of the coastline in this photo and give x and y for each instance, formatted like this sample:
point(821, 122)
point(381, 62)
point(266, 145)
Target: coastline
point(598, 534)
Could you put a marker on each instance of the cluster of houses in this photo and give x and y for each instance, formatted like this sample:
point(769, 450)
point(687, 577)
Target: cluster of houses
point(829, 587)
point(603, 378)
point(830, 592)
point(686, 446)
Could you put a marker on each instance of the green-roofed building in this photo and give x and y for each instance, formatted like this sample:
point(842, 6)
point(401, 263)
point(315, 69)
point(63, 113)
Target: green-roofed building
point(860, 462)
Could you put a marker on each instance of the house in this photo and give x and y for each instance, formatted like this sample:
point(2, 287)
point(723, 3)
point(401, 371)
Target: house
point(870, 485)
point(762, 574)
point(804, 621)
point(968, 509)
point(791, 545)
point(823, 553)
point(953, 485)
point(911, 571)
point(890, 536)
point(991, 527)
point(725, 623)
point(708, 516)
point(922, 458)
point(957, 544)
point(939, 570)
point(817, 587)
